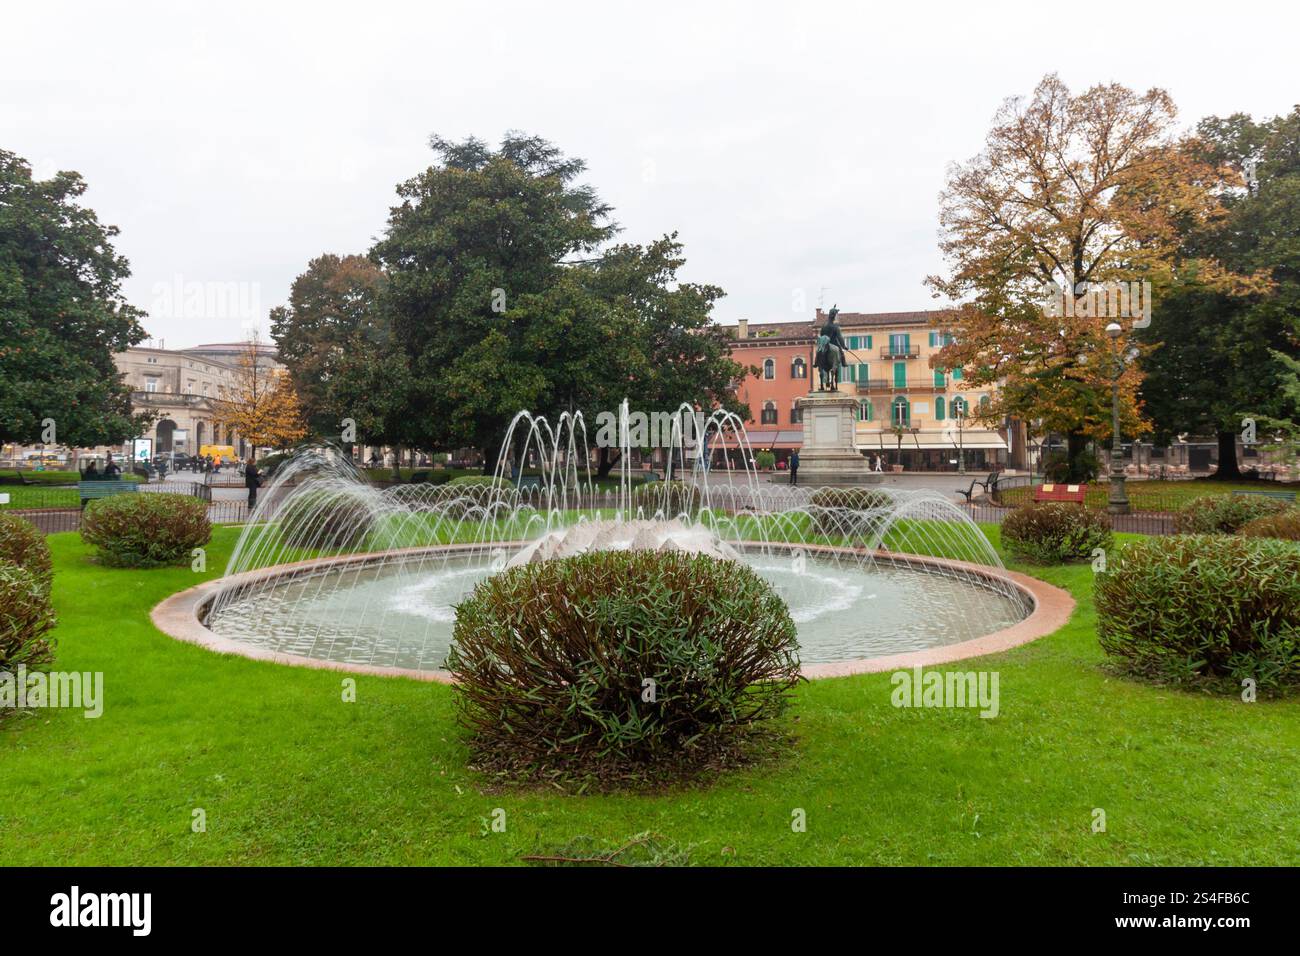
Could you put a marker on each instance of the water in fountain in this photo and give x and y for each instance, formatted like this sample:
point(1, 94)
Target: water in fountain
point(332, 566)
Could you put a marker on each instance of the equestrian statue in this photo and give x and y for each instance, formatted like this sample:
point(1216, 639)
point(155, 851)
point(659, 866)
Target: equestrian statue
point(829, 358)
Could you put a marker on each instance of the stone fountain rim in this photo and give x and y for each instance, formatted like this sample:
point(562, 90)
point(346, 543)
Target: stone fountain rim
point(180, 616)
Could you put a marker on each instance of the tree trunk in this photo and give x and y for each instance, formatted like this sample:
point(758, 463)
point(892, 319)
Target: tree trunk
point(605, 462)
point(397, 463)
point(1076, 445)
point(1228, 470)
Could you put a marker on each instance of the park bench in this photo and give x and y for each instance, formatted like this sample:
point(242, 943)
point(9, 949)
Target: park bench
point(1074, 493)
point(1282, 495)
point(989, 484)
point(90, 490)
point(528, 481)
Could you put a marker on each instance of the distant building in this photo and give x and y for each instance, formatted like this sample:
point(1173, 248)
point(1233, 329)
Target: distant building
point(909, 413)
point(181, 386)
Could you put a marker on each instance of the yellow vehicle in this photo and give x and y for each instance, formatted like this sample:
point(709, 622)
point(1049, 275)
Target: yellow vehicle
point(224, 452)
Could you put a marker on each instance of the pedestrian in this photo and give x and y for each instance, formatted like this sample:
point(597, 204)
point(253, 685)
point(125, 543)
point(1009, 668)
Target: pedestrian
point(111, 471)
point(252, 480)
point(794, 469)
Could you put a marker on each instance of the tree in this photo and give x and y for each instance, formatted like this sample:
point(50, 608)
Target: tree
point(262, 404)
point(490, 294)
point(330, 304)
point(1070, 192)
point(1216, 361)
point(62, 315)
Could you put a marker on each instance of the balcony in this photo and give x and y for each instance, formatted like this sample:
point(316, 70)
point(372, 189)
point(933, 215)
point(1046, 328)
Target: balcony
point(888, 385)
point(908, 353)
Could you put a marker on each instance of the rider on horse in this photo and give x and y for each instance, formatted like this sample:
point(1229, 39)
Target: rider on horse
point(830, 350)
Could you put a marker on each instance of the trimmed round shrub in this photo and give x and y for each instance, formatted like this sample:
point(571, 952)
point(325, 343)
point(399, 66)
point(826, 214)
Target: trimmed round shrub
point(1053, 532)
point(145, 530)
point(765, 460)
point(22, 543)
point(621, 667)
point(845, 511)
point(325, 518)
point(1225, 514)
point(26, 618)
point(671, 497)
point(1284, 525)
point(1203, 609)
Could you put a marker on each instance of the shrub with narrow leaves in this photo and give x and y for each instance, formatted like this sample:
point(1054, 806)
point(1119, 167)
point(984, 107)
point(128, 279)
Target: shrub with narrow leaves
point(327, 518)
point(1225, 514)
point(669, 498)
point(26, 618)
point(22, 543)
point(1285, 526)
point(1203, 609)
point(848, 511)
point(146, 530)
point(619, 667)
point(1053, 532)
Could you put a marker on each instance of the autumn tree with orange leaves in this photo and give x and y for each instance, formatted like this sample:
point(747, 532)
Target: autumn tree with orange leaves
point(262, 404)
point(1068, 191)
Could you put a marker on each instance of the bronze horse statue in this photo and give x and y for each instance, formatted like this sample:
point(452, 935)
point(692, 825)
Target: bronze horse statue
point(829, 358)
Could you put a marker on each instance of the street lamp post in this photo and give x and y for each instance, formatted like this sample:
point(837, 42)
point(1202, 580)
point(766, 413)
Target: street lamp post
point(1118, 498)
point(961, 440)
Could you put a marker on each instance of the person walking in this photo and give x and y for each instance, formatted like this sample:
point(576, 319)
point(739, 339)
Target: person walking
point(252, 481)
point(111, 471)
point(794, 469)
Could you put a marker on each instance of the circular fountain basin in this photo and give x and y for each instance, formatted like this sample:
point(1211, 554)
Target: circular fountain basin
point(394, 613)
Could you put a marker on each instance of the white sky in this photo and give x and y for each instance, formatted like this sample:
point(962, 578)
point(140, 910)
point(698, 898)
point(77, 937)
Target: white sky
point(794, 147)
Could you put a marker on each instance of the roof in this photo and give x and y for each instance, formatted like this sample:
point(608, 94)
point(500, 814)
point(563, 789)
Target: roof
point(767, 332)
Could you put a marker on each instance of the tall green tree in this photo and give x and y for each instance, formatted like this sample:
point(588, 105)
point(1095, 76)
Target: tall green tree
point(62, 315)
point(331, 309)
point(1217, 357)
point(494, 289)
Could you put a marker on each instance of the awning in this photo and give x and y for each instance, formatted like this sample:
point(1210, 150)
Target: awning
point(875, 441)
point(780, 438)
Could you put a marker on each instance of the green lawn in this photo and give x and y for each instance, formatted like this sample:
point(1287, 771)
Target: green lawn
point(1155, 495)
point(288, 773)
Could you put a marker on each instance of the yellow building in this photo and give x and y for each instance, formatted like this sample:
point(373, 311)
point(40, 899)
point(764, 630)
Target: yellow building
point(921, 417)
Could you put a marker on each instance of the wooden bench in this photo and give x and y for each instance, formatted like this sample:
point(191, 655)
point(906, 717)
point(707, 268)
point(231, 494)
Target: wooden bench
point(1074, 493)
point(1282, 495)
point(989, 484)
point(90, 490)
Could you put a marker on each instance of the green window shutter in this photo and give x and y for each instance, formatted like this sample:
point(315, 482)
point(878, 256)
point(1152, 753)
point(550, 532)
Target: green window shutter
point(868, 411)
point(864, 373)
point(907, 343)
point(938, 409)
point(868, 341)
point(956, 375)
point(939, 381)
point(900, 375)
point(933, 336)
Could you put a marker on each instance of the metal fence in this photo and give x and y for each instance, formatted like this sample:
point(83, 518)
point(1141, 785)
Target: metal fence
point(54, 509)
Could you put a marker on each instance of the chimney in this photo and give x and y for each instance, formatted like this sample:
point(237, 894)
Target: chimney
point(742, 328)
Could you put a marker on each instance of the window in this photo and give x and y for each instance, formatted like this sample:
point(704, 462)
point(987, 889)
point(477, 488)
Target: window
point(956, 375)
point(151, 384)
point(940, 380)
point(900, 412)
point(984, 404)
point(864, 412)
point(959, 408)
point(796, 413)
point(900, 343)
point(798, 368)
point(769, 369)
point(900, 375)
point(864, 373)
point(768, 416)
point(938, 408)
point(934, 339)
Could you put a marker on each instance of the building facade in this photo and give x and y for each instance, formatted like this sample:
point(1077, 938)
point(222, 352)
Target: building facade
point(909, 414)
point(181, 388)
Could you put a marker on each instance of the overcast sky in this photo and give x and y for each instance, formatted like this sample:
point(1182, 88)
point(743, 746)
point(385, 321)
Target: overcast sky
point(795, 148)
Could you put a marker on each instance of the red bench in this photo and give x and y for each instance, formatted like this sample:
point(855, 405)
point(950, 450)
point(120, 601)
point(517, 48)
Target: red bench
point(1073, 493)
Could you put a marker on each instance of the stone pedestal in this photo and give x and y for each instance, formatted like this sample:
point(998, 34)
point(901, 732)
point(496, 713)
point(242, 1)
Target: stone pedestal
point(828, 455)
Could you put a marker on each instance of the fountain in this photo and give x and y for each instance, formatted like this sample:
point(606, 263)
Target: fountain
point(332, 569)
